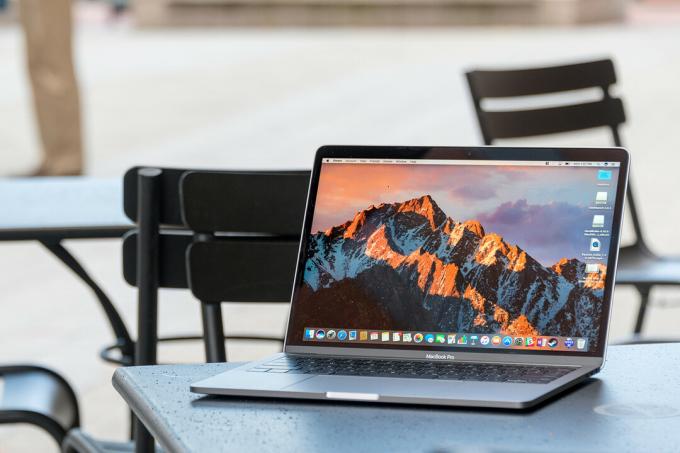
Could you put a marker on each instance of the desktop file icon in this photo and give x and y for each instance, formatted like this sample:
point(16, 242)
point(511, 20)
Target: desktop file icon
point(604, 175)
point(595, 245)
point(592, 268)
point(598, 221)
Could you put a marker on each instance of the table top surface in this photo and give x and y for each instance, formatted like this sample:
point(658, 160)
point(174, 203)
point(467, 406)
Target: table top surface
point(62, 207)
point(632, 405)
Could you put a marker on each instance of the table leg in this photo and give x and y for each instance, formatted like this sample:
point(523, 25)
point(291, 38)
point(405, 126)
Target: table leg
point(144, 441)
point(116, 322)
point(644, 292)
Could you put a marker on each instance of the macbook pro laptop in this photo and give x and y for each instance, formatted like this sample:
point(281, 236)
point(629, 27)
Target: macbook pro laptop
point(447, 276)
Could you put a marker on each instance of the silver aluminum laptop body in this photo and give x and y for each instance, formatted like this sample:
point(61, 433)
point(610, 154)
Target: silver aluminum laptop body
point(563, 327)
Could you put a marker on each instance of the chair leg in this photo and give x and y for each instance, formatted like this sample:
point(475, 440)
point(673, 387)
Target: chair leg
point(213, 332)
point(146, 348)
point(644, 292)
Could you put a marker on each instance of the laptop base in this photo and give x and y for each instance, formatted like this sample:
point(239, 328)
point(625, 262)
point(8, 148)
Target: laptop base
point(502, 395)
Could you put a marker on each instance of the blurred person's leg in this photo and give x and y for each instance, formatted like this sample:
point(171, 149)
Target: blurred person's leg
point(47, 27)
point(118, 6)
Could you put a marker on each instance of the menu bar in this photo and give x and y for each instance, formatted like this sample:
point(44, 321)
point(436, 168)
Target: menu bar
point(533, 163)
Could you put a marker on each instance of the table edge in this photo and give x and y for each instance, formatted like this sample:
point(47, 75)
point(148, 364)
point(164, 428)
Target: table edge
point(65, 232)
point(128, 390)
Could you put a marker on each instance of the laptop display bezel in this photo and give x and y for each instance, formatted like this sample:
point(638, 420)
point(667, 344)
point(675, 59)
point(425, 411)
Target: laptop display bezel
point(594, 356)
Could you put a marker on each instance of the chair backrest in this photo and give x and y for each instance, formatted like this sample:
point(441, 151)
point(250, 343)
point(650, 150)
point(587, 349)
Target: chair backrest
point(606, 112)
point(226, 236)
point(247, 227)
point(173, 235)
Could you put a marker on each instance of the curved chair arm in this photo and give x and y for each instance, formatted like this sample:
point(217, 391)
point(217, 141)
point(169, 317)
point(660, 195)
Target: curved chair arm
point(40, 397)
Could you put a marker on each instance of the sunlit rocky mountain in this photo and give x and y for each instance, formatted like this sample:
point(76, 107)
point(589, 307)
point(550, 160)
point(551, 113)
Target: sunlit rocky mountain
point(409, 266)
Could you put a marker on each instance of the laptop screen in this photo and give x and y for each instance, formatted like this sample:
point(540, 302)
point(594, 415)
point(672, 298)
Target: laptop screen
point(448, 254)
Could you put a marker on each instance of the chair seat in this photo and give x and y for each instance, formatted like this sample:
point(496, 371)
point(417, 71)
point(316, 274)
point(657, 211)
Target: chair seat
point(639, 266)
point(40, 397)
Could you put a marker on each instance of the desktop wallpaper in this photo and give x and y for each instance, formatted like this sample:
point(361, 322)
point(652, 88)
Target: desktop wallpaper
point(488, 249)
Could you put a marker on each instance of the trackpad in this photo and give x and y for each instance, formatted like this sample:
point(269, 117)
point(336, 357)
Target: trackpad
point(366, 388)
point(339, 387)
point(243, 380)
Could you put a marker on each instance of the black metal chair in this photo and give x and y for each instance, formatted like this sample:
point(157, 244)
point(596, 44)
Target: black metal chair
point(638, 265)
point(227, 236)
point(246, 251)
point(38, 396)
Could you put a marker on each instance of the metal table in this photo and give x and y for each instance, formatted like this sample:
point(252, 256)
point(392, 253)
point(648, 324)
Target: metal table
point(50, 210)
point(632, 405)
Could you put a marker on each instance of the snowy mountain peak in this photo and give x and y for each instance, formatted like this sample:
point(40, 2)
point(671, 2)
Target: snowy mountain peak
point(426, 207)
point(475, 227)
point(357, 222)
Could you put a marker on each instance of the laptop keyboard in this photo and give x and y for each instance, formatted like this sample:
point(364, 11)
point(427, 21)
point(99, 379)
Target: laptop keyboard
point(458, 371)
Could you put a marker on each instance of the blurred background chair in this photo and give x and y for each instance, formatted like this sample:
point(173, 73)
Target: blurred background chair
point(638, 265)
point(38, 396)
point(226, 236)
